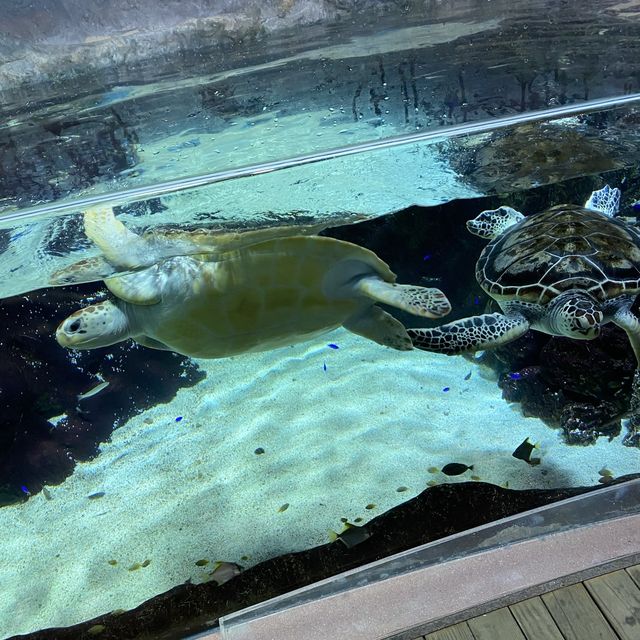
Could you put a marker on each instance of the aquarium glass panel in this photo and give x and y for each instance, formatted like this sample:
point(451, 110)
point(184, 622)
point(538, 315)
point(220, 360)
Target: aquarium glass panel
point(287, 288)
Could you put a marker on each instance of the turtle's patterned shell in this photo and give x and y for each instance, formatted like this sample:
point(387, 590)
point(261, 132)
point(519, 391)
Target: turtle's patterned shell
point(566, 247)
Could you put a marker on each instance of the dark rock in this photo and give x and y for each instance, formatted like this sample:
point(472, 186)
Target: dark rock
point(600, 369)
point(584, 387)
point(537, 398)
point(583, 423)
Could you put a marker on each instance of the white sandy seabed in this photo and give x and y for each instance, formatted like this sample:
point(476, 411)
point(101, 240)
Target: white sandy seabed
point(334, 441)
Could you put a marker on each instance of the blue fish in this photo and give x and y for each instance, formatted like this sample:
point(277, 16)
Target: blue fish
point(324, 366)
point(636, 206)
point(427, 256)
point(332, 345)
point(25, 490)
point(446, 389)
point(515, 376)
point(476, 300)
point(178, 418)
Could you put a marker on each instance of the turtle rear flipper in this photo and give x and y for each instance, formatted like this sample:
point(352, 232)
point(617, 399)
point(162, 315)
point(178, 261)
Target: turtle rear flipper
point(86, 270)
point(381, 327)
point(426, 302)
point(470, 334)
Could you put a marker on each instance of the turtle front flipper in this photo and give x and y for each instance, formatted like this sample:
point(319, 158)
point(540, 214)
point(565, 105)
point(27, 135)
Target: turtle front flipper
point(381, 327)
point(470, 334)
point(419, 301)
point(627, 320)
point(120, 246)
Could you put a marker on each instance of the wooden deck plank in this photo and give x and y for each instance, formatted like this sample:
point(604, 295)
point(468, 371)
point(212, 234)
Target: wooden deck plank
point(577, 615)
point(634, 572)
point(458, 631)
point(618, 596)
point(496, 624)
point(535, 620)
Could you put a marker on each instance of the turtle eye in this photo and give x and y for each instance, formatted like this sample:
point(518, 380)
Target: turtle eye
point(74, 326)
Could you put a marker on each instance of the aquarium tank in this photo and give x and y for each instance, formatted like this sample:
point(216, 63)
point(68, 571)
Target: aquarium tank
point(291, 286)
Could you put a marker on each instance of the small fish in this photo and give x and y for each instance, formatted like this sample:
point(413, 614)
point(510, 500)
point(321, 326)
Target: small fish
point(370, 506)
point(202, 563)
point(432, 483)
point(95, 496)
point(94, 390)
point(96, 630)
point(47, 493)
point(433, 470)
point(224, 571)
point(324, 366)
point(445, 389)
point(259, 451)
point(476, 478)
point(25, 490)
point(455, 468)
point(523, 451)
point(112, 562)
point(468, 376)
point(515, 375)
point(284, 507)
point(194, 142)
point(402, 489)
point(179, 419)
point(351, 535)
point(427, 256)
point(332, 345)
point(476, 300)
point(605, 472)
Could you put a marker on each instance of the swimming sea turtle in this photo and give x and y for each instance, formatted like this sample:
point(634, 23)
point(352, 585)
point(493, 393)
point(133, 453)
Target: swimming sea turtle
point(254, 296)
point(565, 271)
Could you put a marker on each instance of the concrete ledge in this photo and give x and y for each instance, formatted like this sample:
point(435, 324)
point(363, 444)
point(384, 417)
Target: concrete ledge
point(405, 606)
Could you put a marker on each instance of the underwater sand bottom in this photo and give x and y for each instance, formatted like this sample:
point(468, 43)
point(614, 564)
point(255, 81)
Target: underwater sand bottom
point(334, 440)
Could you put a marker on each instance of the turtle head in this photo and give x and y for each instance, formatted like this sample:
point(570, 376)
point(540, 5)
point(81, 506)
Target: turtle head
point(575, 314)
point(98, 325)
point(491, 223)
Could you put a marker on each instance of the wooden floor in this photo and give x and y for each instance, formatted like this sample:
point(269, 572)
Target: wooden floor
point(602, 608)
